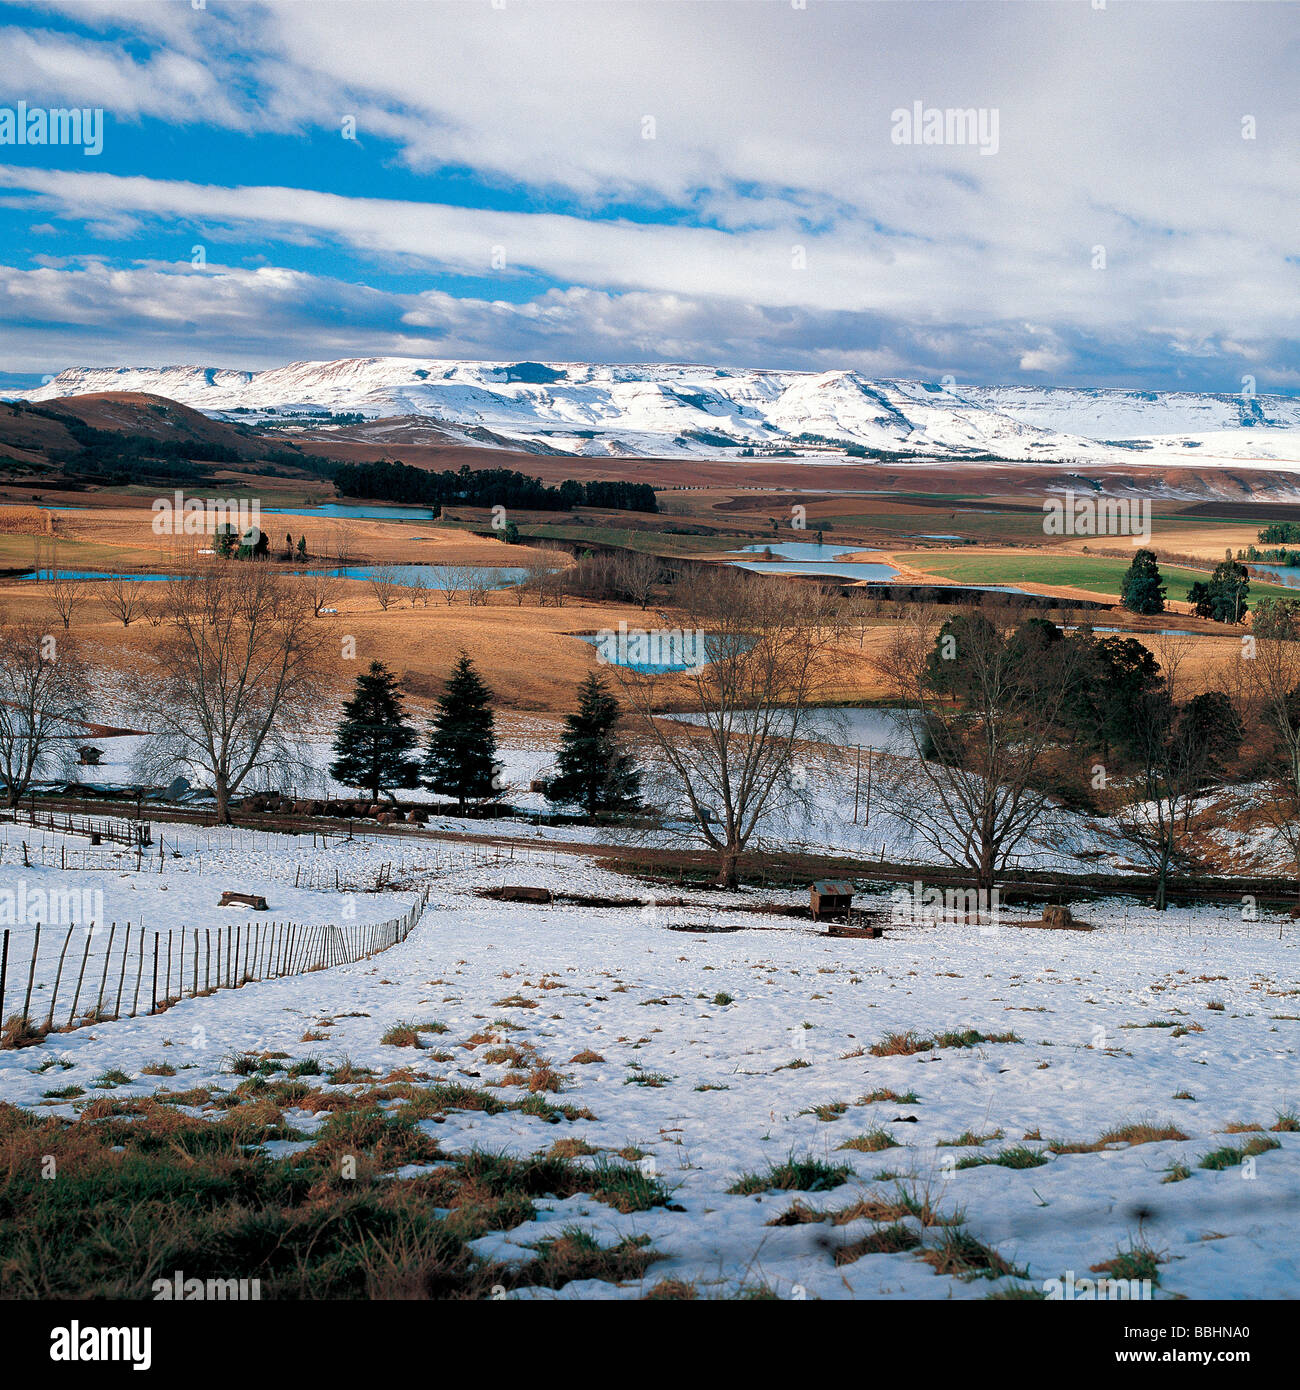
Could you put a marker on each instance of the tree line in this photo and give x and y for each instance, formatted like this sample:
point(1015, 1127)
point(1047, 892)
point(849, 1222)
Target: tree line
point(1222, 597)
point(1018, 722)
point(377, 747)
point(486, 487)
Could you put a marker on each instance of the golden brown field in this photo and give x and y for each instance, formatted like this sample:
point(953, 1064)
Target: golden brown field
point(529, 654)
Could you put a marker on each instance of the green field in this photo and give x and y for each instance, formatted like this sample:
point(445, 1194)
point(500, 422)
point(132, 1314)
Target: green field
point(1098, 573)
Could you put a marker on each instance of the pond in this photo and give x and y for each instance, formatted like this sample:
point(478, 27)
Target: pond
point(349, 513)
point(882, 729)
point(807, 557)
point(655, 651)
point(1288, 575)
point(90, 574)
point(430, 576)
point(1156, 632)
point(327, 510)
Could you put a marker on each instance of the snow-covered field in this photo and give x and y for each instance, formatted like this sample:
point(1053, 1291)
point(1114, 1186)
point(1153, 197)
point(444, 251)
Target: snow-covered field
point(707, 1053)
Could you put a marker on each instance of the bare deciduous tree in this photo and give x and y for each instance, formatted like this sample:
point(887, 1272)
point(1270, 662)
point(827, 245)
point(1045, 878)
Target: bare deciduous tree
point(455, 580)
point(1274, 673)
point(769, 653)
point(43, 688)
point(124, 598)
point(971, 792)
point(638, 574)
point(480, 580)
point(420, 585)
point(1174, 759)
point(385, 584)
point(238, 676)
point(342, 543)
point(67, 589)
point(322, 589)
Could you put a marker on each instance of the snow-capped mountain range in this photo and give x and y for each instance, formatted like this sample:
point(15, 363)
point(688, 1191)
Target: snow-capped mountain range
point(683, 410)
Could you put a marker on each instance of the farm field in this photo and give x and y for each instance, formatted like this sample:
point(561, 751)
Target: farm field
point(1097, 574)
point(943, 1113)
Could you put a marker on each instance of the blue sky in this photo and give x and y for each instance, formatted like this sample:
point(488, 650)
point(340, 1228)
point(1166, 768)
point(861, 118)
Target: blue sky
point(641, 180)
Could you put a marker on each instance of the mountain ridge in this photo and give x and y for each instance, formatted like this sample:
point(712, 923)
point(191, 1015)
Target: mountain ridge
point(692, 410)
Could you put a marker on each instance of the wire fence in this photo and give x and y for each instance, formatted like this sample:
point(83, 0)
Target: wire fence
point(182, 848)
point(122, 974)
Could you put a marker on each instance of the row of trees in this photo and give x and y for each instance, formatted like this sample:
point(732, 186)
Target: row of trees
point(1221, 598)
point(739, 759)
point(1017, 721)
point(486, 487)
point(1012, 720)
point(375, 745)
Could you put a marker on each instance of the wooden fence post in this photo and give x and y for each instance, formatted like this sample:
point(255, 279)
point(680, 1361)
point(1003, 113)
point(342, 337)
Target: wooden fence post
point(58, 975)
point(126, 946)
point(31, 975)
point(81, 975)
point(103, 979)
point(139, 974)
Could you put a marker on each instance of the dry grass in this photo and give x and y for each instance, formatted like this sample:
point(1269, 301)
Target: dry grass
point(888, 1240)
point(1142, 1133)
point(873, 1141)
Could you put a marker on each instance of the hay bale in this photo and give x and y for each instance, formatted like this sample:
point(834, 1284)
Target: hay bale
point(1057, 916)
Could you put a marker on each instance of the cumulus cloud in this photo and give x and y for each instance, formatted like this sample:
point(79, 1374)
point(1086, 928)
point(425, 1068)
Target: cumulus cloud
point(770, 213)
point(88, 312)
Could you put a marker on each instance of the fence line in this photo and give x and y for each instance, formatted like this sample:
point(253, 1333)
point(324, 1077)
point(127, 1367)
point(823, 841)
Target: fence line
point(226, 957)
point(183, 853)
point(122, 832)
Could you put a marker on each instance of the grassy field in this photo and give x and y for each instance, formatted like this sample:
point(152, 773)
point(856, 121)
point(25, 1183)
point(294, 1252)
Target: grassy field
point(1097, 573)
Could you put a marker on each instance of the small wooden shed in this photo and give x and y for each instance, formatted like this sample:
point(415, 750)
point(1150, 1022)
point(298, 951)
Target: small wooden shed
point(89, 756)
point(830, 897)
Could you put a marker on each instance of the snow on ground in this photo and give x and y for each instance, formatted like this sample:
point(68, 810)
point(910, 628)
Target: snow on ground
point(710, 1090)
point(182, 888)
point(839, 817)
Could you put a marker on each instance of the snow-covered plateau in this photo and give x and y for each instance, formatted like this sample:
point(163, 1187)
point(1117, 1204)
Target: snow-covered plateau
point(684, 410)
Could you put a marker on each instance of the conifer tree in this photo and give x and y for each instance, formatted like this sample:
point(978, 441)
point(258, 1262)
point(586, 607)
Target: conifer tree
point(1141, 590)
point(373, 742)
point(593, 769)
point(460, 759)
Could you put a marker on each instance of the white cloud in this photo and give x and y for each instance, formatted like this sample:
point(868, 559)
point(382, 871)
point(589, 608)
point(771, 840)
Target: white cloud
point(1119, 128)
point(84, 311)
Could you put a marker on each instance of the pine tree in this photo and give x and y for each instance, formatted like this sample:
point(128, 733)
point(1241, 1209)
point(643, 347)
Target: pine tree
point(593, 769)
point(373, 739)
point(302, 547)
point(1141, 590)
point(461, 759)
